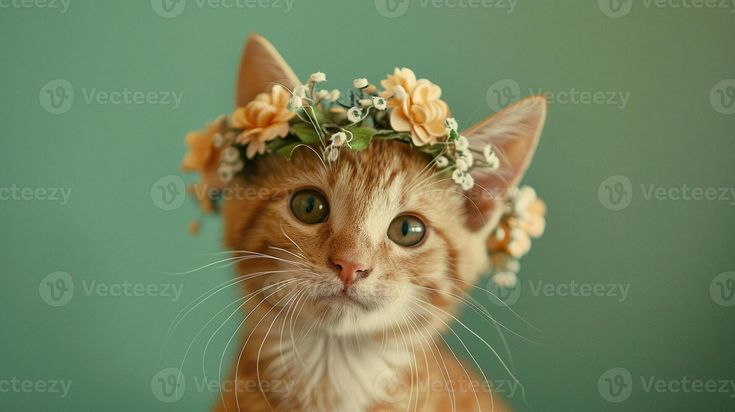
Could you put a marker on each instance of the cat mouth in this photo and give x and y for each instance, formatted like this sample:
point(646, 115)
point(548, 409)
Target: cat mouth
point(343, 300)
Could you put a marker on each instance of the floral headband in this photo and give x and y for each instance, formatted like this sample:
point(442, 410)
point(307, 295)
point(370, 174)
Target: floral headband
point(279, 120)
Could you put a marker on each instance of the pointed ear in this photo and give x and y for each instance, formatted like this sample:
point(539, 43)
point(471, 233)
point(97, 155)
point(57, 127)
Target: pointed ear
point(513, 133)
point(260, 67)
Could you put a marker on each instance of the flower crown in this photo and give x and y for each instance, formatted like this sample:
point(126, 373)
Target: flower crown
point(279, 121)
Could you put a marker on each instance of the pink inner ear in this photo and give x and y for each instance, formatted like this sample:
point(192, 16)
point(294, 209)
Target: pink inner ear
point(514, 133)
point(261, 67)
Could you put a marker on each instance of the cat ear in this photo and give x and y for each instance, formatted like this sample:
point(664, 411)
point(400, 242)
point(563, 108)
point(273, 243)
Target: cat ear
point(261, 67)
point(513, 133)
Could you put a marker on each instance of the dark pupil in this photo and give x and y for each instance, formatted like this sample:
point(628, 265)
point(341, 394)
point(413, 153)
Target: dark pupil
point(405, 228)
point(310, 204)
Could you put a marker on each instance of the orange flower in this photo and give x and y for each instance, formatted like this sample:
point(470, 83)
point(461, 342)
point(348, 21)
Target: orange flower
point(203, 156)
point(263, 119)
point(416, 106)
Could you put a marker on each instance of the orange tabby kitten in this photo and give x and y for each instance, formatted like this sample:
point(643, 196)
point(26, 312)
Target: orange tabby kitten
point(342, 315)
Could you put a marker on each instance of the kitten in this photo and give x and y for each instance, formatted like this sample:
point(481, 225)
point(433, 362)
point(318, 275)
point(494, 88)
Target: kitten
point(342, 313)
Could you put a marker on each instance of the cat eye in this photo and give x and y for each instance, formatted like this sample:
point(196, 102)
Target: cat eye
point(407, 230)
point(310, 206)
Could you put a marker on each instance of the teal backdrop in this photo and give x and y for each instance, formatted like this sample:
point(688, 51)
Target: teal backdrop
point(626, 303)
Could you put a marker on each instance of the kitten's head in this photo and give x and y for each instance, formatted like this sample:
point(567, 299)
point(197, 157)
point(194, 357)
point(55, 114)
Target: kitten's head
point(376, 237)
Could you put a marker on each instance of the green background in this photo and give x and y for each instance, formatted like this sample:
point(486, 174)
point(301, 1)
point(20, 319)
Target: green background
point(669, 134)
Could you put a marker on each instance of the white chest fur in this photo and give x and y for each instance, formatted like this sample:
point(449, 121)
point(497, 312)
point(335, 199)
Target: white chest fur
point(337, 373)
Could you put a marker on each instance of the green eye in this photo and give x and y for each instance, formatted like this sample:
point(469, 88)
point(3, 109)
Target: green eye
point(407, 230)
point(310, 206)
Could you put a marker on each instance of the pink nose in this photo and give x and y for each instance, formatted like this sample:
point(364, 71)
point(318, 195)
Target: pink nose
point(349, 272)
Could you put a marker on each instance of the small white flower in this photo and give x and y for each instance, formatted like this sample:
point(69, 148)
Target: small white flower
point(462, 144)
point(468, 182)
point(505, 279)
point(491, 158)
point(230, 155)
point(338, 139)
point(225, 173)
point(322, 94)
point(467, 156)
point(333, 95)
point(218, 140)
point(299, 91)
point(379, 103)
point(399, 92)
point(450, 124)
point(366, 102)
point(354, 115)
point(442, 162)
point(462, 165)
point(458, 176)
point(294, 103)
point(360, 83)
point(332, 153)
point(318, 77)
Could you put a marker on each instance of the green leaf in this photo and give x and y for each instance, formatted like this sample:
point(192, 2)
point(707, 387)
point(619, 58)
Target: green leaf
point(453, 136)
point(287, 150)
point(361, 137)
point(306, 133)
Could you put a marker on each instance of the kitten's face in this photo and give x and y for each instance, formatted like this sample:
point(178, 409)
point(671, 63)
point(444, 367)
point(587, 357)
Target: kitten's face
point(389, 215)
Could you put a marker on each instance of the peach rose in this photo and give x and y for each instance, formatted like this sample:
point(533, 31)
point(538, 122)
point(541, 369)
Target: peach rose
point(263, 119)
point(203, 156)
point(416, 106)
